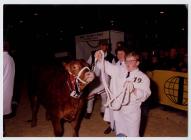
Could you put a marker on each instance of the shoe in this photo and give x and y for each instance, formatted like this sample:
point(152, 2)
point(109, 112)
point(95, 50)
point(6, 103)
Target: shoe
point(108, 130)
point(102, 114)
point(88, 115)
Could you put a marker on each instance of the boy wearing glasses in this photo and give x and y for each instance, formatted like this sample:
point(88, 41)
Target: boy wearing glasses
point(126, 120)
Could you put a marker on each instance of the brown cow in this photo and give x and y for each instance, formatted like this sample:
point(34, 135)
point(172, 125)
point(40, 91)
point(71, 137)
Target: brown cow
point(60, 91)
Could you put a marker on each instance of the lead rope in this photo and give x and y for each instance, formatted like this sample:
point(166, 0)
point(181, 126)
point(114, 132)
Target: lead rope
point(115, 102)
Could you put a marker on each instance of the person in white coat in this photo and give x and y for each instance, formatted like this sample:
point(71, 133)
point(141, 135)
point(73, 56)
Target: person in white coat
point(8, 80)
point(127, 118)
point(96, 87)
point(121, 53)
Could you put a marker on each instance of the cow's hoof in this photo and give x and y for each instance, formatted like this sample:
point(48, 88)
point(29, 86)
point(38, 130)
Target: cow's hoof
point(75, 135)
point(108, 130)
point(59, 134)
point(102, 114)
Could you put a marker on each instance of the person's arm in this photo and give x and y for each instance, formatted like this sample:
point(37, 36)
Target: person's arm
point(142, 90)
point(109, 68)
point(89, 61)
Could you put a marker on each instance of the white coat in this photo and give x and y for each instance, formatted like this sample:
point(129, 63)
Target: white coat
point(97, 85)
point(8, 82)
point(108, 115)
point(127, 119)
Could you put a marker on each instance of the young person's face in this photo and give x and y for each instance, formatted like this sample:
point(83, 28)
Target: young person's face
point(132, 63)
point(121, 55)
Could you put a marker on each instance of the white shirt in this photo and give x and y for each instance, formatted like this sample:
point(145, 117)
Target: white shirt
point(8, 82)
point(127, 119)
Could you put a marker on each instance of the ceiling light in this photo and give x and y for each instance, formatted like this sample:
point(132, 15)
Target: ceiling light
point(35, 14)
point(20, 21)
point(162, 12)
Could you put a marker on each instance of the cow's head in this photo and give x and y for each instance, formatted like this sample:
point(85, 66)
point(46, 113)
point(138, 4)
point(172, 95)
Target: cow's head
point(80, 71)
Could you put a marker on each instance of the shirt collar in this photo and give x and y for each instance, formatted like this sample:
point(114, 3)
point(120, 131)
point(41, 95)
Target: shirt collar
point(134, 71)
point(122, 62)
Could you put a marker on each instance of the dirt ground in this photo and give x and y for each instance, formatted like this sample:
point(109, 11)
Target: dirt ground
point(160, 123)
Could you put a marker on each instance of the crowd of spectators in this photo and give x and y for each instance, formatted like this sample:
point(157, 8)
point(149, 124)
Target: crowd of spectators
point(173, 59)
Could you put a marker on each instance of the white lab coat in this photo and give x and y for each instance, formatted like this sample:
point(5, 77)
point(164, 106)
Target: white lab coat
point(8, 82)
point(96, 87)
point(127, 119)
point(108, 115)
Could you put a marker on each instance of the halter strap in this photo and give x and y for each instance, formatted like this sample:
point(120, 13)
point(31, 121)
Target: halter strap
point(79, 74)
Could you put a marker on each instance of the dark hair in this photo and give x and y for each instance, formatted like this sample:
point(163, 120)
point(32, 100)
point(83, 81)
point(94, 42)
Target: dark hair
point(121, 49)
point(104, 42)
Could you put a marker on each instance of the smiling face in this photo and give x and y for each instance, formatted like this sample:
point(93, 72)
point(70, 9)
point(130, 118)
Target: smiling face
point(132, 61)
point(121, 55)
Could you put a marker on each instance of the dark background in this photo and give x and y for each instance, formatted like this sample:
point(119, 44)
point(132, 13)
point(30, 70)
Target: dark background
point(37, 31)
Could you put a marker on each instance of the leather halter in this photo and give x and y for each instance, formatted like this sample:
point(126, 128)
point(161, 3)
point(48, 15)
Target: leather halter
point(79, 74)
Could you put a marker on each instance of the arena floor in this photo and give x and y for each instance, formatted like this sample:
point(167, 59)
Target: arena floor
point(160, 123)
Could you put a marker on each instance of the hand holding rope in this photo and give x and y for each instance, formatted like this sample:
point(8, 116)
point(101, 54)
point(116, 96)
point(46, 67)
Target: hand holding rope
point(114, 102)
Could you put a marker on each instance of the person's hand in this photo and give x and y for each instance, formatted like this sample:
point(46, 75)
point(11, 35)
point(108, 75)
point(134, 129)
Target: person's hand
point(98, 55)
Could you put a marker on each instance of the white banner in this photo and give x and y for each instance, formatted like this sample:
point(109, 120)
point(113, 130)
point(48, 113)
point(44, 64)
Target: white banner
point(89, 42)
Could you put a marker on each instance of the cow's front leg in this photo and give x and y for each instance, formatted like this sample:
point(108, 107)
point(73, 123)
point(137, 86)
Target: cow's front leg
point(76, 123)
point(56, 123)
point(76, 126)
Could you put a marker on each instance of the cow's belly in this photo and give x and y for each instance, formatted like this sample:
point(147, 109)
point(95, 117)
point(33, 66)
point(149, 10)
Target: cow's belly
point(65, 110)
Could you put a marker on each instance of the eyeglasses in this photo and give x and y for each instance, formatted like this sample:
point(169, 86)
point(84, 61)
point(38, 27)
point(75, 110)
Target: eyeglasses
point(130, 61)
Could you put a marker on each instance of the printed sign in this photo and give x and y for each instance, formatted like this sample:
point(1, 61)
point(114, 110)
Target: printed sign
point(87, 43)
point(171, 88)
